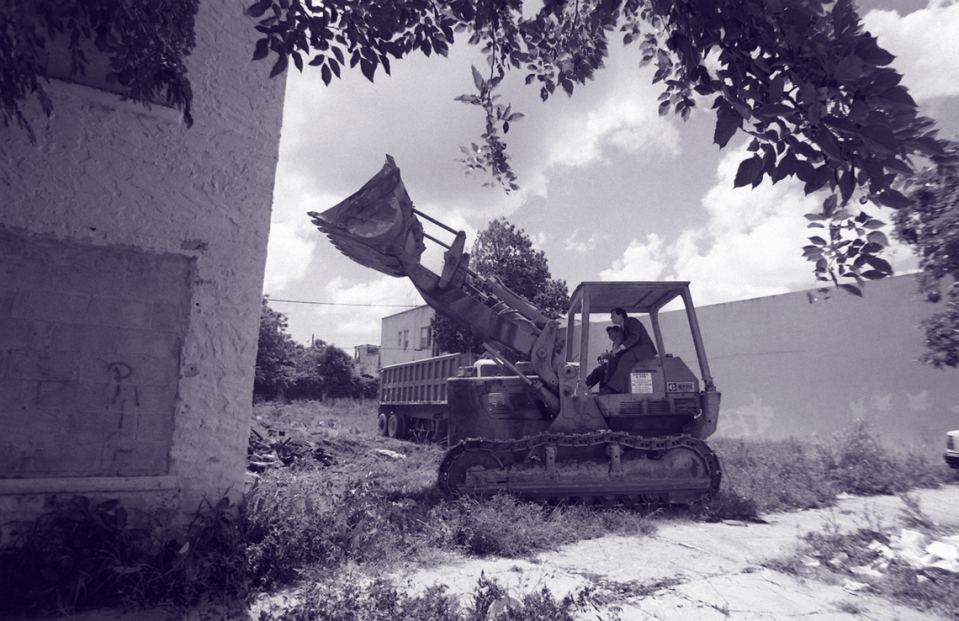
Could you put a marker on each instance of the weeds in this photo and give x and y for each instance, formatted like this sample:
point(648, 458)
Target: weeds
point(81, 554)
point(369, 503)
point(347, 598)
point(790, 474)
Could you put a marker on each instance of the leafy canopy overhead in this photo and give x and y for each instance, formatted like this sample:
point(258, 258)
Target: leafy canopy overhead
point(506, 253)
point(801, 77)
point(931, 226)
point(146, 43)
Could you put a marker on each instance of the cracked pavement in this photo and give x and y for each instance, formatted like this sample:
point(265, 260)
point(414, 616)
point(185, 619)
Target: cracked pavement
point(695, 571)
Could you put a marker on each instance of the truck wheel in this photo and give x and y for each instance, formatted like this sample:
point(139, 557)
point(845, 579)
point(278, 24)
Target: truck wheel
point(396, 426)
point(381, 423)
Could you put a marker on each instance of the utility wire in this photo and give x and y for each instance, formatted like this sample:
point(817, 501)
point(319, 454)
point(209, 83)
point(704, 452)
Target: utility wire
point(269, 299)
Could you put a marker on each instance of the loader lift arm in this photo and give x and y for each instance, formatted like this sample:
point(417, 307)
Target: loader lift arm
point(378, 227)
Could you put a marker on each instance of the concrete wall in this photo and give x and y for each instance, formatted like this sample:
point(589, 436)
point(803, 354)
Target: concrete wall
point(400, 338)
point(803, 364)
point(130, 283)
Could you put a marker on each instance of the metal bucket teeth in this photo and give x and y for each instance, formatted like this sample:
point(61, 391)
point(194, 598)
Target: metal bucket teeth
point(376, 226)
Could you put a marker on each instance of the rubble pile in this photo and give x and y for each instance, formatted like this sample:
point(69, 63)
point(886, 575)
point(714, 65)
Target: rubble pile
point(276, 448)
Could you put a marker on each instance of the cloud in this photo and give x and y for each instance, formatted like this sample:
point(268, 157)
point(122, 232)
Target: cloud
point(614, 117)
point(626, 122)
point(642, 260)
point(360, 307)
point(289, 253)
point(575, 245)
point(926, 45)
point(749, 246)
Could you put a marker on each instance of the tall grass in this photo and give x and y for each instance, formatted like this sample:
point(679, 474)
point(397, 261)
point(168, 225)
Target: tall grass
point(349, 599)
point(803, 474)
point(351, 500)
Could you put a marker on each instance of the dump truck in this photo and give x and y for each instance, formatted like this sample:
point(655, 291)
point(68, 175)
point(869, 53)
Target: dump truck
point(534, 429)
point(413, 397)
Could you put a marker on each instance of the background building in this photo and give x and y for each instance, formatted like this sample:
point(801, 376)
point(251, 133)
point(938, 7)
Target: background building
point(406, 336)
point(366, 360)
point(132, 251)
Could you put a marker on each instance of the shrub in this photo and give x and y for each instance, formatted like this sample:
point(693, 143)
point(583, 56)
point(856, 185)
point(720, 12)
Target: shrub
point(347, 598)
point(82, 555)
point(856, 461)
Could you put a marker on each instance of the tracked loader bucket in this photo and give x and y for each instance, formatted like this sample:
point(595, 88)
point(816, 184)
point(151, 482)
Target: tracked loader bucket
point(376, 226)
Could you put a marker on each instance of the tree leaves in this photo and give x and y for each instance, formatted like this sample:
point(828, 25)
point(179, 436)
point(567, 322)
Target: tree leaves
point(728, 122)
point(805, 80)
point(750, 172)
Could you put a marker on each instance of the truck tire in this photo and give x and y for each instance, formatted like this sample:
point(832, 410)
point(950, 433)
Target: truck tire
point(396, 426)
point(381, 423)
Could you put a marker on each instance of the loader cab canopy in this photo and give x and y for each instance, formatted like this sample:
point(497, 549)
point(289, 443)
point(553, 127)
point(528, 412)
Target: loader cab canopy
point(636, 298)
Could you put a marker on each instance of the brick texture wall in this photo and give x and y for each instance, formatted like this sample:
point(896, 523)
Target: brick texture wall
point(90, 344)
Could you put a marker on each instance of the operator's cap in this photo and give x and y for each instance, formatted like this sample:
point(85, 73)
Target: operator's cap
point(611, 328)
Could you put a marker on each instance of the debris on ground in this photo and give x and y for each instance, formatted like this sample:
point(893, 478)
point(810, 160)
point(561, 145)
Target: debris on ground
point(273, 448)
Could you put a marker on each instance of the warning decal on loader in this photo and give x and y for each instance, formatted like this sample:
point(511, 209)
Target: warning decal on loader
point(641, 383)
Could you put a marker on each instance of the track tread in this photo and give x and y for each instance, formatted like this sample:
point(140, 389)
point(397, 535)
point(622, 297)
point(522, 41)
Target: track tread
point(501, 448)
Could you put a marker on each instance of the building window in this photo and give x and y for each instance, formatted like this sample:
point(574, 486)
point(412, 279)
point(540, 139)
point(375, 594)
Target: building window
point(399, 340)
point(425, 337)
point(406, 339)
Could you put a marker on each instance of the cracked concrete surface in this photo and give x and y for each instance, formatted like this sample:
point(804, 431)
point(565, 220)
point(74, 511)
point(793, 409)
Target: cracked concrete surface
point(692, 571)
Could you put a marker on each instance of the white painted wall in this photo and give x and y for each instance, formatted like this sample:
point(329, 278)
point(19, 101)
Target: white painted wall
point(800, 364)
point(113, 174)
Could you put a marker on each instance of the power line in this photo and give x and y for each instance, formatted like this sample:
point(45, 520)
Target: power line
point(342, 304)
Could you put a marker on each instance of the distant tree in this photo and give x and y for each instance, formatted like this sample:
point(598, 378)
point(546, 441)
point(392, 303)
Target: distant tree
point(275, 356)
point(366, 387)
point(324, 371)
point(931, 226)
point(507, 253)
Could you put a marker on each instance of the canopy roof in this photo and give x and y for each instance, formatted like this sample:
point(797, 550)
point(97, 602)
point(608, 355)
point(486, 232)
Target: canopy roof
point(633, 297)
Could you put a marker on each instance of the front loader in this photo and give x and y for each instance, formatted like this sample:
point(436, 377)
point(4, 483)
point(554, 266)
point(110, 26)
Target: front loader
point(534, 429)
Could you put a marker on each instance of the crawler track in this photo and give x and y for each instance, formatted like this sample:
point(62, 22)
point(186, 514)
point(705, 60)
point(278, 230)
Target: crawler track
point(608, 467)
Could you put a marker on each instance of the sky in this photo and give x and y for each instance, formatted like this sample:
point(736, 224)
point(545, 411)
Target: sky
point(609, 189)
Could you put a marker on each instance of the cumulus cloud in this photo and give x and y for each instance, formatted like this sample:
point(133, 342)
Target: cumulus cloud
point(357, 315)
point(576, 245)
point(926, 45)
point(749, 246)
point(642, 260)
point(290, 250)
point(616, 118)
point(626, 122)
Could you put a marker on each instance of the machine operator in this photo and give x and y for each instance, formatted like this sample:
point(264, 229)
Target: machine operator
point(636, 346)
